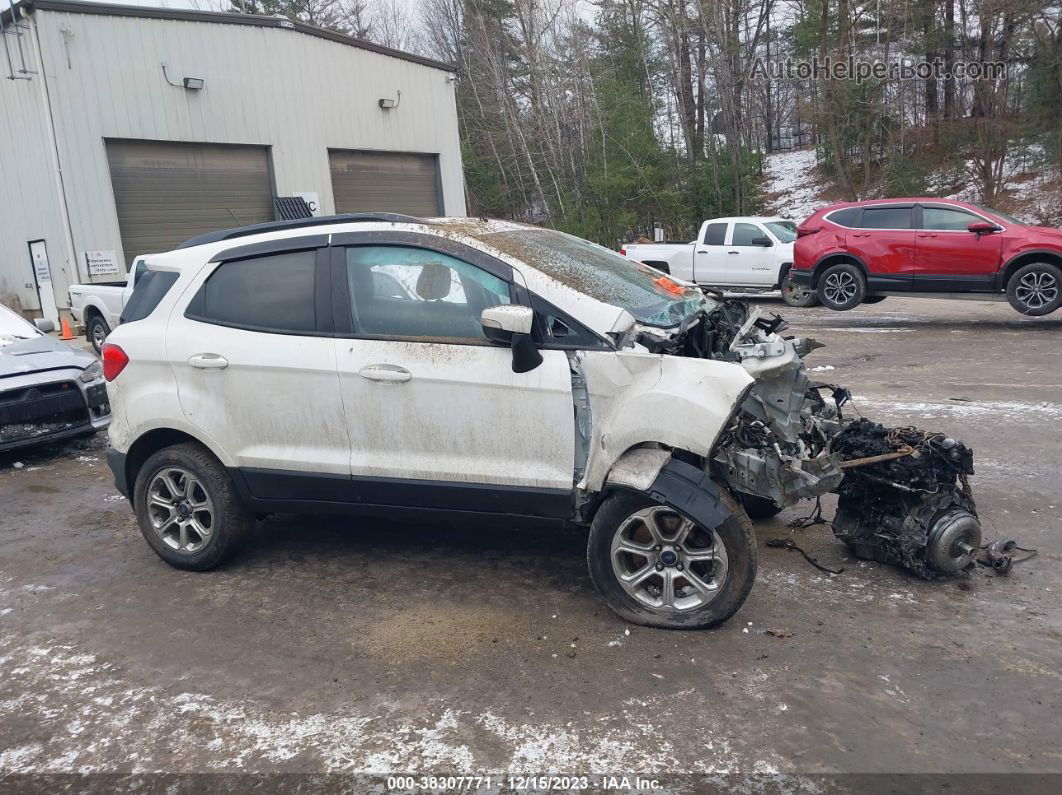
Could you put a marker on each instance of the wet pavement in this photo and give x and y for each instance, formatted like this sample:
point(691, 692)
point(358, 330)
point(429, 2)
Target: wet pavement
point(376, 646)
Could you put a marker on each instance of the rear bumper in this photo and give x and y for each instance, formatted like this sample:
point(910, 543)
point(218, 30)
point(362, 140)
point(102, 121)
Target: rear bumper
point(116, 461)
point(800, 278)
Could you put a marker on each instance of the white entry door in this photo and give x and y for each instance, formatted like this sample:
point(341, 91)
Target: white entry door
point(42, 275)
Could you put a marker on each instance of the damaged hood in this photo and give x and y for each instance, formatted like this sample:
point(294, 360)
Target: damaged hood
point(19, 355)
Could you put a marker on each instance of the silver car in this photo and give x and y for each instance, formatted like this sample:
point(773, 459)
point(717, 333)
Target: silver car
point(48, 390)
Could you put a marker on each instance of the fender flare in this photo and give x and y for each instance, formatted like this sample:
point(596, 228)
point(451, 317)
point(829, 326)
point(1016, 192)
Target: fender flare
point(667, 480)
point(820, 266)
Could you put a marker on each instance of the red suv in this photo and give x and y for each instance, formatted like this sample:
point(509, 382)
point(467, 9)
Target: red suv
point(859, 252)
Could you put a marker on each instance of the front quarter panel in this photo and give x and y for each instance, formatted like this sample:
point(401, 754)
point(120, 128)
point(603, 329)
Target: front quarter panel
point(639, 398)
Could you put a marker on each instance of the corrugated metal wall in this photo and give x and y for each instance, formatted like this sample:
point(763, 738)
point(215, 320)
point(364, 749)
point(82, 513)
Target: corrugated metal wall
point(297, 94)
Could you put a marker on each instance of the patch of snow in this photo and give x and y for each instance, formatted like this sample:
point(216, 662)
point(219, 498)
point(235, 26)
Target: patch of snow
point(791, 175)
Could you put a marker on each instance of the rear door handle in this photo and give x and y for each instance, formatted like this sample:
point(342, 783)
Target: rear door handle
point(385, 372)
point(702, 251)
point(733, 252)
point(927, 235)
point(208, 361)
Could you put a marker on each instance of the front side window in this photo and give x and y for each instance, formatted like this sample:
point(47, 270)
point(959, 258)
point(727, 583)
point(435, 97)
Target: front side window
point(274, 293)
point(714, 234)
point(785, 231)
point(400, 291)
point(946, 218)
point(744, 234)
point(887, 218)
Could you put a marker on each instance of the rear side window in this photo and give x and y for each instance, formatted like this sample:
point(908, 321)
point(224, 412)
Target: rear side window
point(150, 289)
point(274, 293)
point(849, 217)
point(947, 218)
point(715, 234)
point(886, 218)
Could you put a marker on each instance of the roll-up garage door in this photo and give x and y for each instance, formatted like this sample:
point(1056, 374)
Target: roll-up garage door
point(167, 192)
point(394, 182)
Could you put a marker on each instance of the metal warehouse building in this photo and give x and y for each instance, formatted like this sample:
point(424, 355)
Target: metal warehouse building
point(125, 130)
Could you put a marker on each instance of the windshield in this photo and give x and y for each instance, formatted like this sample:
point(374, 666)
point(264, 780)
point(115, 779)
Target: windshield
point(13, 327)
point(785, 231)
point(1008, 218)
point(650, 296)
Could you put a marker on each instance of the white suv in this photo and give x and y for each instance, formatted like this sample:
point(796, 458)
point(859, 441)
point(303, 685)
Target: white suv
point(383, 362)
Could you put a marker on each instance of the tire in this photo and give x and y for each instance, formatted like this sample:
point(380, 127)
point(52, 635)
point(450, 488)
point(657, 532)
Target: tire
point(874, 299)
point(795, 295)
point(1035, 289)
point(758, 507)
point(167, 474)
point(624, 513)
point(96, 331)
point(842, 287)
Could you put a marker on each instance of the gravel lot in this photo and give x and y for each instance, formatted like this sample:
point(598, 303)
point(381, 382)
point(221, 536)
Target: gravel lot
point(333, 645)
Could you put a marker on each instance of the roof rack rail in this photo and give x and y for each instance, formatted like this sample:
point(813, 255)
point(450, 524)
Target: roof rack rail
point(300, 223)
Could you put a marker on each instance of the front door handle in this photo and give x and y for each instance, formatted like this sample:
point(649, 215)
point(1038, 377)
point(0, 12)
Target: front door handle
point(208, 361)
point(927, 235)
point(733, 252)
point(385, 372)
point(702, 251)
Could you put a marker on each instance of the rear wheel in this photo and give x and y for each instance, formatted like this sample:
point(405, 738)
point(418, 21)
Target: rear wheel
point(188, 509)
point(1035, 289)
point(842, 287)
point(797, 295)
point(96, 329)
point(655, 567)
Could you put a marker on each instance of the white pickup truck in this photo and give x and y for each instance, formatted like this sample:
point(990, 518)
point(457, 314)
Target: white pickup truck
point(99, 306)
point(747, 253)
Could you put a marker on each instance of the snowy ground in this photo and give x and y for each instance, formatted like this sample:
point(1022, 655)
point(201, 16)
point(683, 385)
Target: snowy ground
point(792, 188)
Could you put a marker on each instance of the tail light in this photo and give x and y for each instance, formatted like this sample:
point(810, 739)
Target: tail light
point(623, 252)
point(114, 360)
point(804, 231)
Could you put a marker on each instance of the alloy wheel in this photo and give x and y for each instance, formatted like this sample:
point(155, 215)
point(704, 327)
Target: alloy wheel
point(666, 562)
point(840, 288)
point(180, 510)
point(1036, 289)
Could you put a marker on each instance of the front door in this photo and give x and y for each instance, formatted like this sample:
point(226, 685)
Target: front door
point(255, 366)
point(748, 261)
point(435, 414)
point(42, 275)
point(886, 245)
point(949, 256)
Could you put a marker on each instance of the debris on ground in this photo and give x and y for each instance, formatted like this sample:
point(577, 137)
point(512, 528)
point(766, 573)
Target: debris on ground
point(788, 543)
point(780, 633)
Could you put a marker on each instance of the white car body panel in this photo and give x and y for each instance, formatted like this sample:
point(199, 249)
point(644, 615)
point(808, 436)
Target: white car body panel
point(724, 265)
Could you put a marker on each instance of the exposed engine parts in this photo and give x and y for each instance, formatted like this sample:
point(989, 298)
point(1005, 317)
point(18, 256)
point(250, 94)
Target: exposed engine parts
point(905, 499)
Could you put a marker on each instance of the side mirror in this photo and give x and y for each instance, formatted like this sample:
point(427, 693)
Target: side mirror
point(762, 241)
point(982, 228)
point(42, 324)
point(510, 324)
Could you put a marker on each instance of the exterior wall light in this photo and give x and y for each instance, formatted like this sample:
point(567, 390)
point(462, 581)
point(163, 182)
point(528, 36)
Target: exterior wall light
point(194, 83)
point(389, 104)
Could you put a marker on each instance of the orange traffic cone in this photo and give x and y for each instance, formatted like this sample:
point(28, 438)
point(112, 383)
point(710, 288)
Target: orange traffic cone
point(64, 325)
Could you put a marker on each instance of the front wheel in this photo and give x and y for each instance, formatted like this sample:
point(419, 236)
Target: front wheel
point(658, 568)
point(842, 287)
point(797, 295)
point(1035, 289)
point(188, 509)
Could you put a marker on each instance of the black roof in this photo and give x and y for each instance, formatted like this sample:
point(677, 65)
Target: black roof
point(277, 226)
point(108, 9)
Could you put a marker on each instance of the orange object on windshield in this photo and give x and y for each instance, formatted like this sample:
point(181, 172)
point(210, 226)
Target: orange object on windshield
point(668, 286)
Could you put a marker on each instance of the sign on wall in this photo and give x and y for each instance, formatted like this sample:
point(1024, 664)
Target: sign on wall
point(101, 263)
point(313, 201)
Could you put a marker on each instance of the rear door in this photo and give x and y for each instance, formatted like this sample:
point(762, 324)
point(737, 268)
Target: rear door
point(435, 414)
point(709, 255)
point(949, 256)
point(255, 366)
point(885, 242)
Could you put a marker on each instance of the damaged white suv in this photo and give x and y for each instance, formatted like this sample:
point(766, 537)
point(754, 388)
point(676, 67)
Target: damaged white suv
point(381, 362)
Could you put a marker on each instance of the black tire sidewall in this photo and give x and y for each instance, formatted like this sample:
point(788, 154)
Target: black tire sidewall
point(96, 320)
point(232, 522)
point(861, 287)
point(1012, 285)
point(810, 301)
point(736, 534)
point(758, 507)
